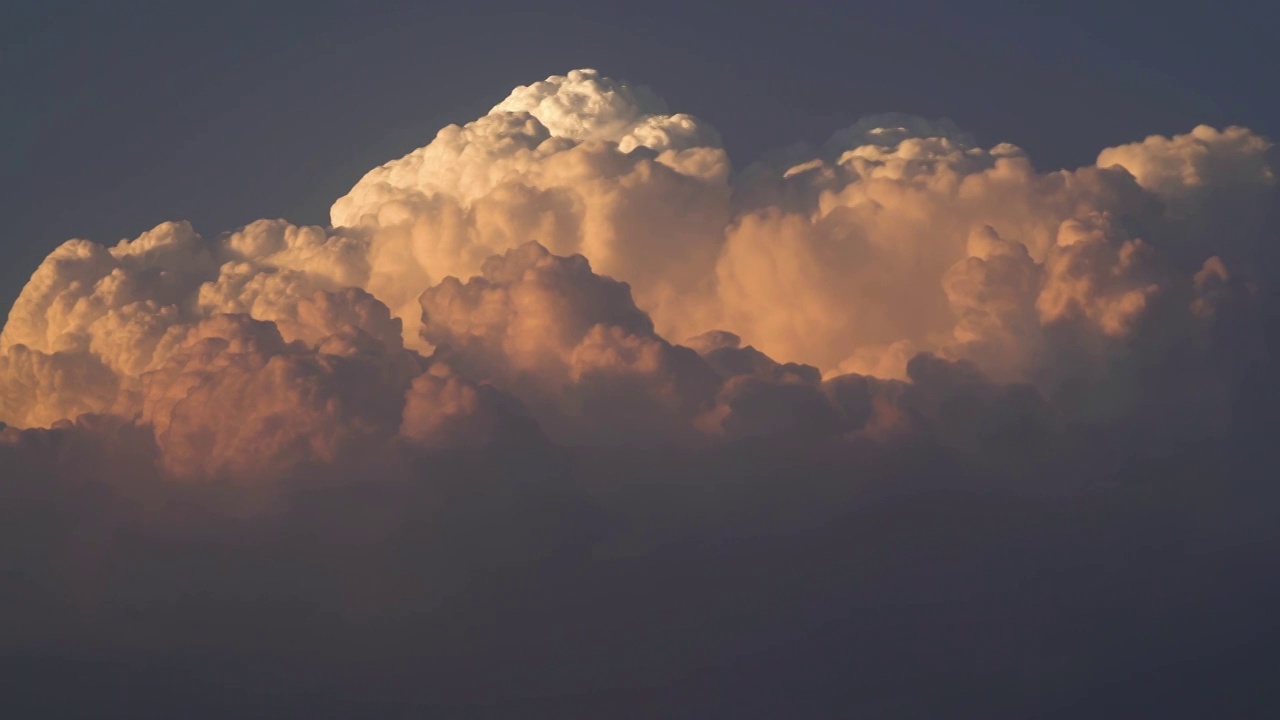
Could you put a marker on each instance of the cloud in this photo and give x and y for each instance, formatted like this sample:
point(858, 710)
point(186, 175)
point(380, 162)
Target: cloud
point(563, 413)
point(1179, 167)
point(444, 411)
point(236, 400)
point(571, 345)
point(847, 268)
point(579, 164)
point(533, 271)
point(584, 581)
point(1211, 183)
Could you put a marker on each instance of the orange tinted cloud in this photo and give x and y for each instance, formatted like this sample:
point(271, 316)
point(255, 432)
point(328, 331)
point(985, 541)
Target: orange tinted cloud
point(539, 271)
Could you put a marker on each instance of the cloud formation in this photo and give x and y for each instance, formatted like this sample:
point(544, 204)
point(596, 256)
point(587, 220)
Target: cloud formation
point(557, 251)
point(566, 347)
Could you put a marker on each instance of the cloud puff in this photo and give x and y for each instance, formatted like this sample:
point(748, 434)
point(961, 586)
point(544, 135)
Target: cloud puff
point(571, 344)
point(577, 163)
point(1212, 183)
point(848, 269)
point(39, 389)
point(236, 401)
point(1203, 159)
point(444, 411)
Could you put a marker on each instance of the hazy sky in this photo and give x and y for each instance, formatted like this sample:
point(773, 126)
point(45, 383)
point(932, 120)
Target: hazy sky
point(119, 115)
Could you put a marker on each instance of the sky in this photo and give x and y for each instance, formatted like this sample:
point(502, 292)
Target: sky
point(582, 361)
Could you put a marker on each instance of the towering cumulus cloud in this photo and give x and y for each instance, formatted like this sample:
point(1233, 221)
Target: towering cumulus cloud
point(559, 250)
point(569, 331)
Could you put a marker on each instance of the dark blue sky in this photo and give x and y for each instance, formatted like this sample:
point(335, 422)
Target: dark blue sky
point(117, 116)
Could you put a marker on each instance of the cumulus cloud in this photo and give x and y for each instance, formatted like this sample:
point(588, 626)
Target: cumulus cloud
point(578, 163)
point(444, 411)
point(1212, 183)
point(235, 400)
point(1180, 166)
point(571, 344)
point(561, 401)
point(532, 274)
point(850, 270)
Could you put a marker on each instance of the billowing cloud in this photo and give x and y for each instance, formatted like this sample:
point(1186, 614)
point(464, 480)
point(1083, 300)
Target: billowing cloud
point(562, 406)
point(534, 274)
point(1211, 183)
point(848, 269)
point(572, 345)
point(579, 164)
